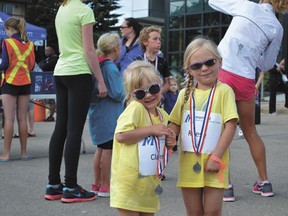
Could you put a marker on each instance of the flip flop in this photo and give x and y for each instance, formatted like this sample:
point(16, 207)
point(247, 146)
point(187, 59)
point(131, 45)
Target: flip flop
point(27, 158)
point(4, 160)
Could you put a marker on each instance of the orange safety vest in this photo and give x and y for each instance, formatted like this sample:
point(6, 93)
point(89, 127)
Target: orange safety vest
point(21, 62)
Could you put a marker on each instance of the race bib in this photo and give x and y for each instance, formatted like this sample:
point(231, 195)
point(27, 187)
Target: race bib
point(212, 135)
point(149, 154)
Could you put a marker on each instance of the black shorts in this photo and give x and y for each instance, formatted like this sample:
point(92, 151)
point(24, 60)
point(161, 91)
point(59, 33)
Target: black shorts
point(15, 90)
point(106, 145)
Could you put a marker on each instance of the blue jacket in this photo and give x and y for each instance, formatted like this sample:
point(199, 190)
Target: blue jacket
point(128, 55)
point(104, 112)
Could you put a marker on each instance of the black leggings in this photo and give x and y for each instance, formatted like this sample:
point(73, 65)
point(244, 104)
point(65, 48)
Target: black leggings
point(73, 94)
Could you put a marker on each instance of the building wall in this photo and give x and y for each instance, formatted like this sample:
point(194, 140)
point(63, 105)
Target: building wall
point(186, 19)
point(13, 8)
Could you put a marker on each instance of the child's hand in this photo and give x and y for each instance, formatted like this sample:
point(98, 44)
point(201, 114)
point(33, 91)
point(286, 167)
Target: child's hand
point(170, 139)
point(159, 130)
point(212, 166)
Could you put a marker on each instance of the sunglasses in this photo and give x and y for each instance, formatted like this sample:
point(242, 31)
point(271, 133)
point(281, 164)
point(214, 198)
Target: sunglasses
point(197, 66)
point(123, 27)
point(152, 89)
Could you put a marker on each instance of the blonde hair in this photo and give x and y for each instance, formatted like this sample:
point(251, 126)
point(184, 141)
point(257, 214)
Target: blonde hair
point(195, 45)
point(144, 34)
point(19, 25)
point(107, 42)
point(135, 73)
point(280, 6)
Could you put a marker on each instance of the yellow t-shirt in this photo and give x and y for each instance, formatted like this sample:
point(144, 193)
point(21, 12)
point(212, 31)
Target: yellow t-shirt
point(223, 104)
point(127, 190)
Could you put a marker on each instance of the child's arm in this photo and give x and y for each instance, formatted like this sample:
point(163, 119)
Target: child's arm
point(175, 128)
point(170, 140)
point(134, 136)
point(223, 144)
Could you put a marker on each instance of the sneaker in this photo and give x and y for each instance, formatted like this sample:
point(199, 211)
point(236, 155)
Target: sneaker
point(54, 192)
point(263, 189)
point(95, 188)
point(76, 195)
point(240, 132)
point(104, 191)
point(229, 194)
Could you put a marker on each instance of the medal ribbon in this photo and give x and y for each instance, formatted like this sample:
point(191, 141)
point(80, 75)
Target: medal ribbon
point(156, 60)
point(161, 164)
point(198, 147)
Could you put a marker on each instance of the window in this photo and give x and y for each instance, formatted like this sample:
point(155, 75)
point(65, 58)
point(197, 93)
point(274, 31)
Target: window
point(193, 20)
point(175, 41)
point(194, 6)
point(176, 22)
point(177, 8)
point(6, 8)
point(211, 19)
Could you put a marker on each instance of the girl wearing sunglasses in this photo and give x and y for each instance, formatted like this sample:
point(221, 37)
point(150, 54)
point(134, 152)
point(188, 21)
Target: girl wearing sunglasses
point(205, 113)
point(140, 144)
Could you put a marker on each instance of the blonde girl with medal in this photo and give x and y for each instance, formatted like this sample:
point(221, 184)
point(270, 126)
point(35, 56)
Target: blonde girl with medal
point(140, 146)
point(205, 117)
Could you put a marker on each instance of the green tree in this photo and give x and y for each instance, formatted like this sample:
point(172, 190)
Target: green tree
point(42, 13)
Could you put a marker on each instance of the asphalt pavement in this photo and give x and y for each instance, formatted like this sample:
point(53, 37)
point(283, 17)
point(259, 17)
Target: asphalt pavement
point(22, 183)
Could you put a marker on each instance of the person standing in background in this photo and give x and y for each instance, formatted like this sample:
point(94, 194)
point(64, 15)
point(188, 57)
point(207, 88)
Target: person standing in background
point(169, 100)
point(73, 78)
point(48, 65)
point(130, 46)
point(252, 40)
point(150, 41)
point(104, 112)
point(276, 84)
point(18, 59)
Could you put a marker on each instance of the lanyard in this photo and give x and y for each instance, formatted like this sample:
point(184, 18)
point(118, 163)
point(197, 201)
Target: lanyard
point(156, 60)
point(161, 164)
point(198, 146)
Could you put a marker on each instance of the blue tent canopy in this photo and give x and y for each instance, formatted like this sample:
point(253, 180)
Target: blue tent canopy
point(34, 32)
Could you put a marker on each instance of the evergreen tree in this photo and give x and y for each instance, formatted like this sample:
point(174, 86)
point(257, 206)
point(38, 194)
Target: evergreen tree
point(105, 20)
point(42, 13)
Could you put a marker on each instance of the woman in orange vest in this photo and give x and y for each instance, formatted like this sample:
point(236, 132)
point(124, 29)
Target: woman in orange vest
point(18, 59)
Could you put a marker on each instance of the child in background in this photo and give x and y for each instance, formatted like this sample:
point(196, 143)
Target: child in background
point(104, 112)
point(140, 144)
point(150, 41)
point(206, 115)
point(170, 98)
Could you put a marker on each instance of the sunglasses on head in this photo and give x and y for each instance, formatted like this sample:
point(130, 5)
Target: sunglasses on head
point(152, 89)
point(197, 66)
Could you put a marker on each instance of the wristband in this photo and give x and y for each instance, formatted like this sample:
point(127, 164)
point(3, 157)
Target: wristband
point(222, 166)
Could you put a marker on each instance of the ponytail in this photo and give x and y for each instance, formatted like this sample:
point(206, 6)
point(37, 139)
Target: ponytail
point(19, 25)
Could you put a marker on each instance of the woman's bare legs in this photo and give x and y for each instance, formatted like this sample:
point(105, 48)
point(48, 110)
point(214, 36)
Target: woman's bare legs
point(9, 103)
point(246, 111)
point(22, 104)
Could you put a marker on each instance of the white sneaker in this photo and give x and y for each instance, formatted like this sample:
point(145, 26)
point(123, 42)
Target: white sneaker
point(240, 132)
